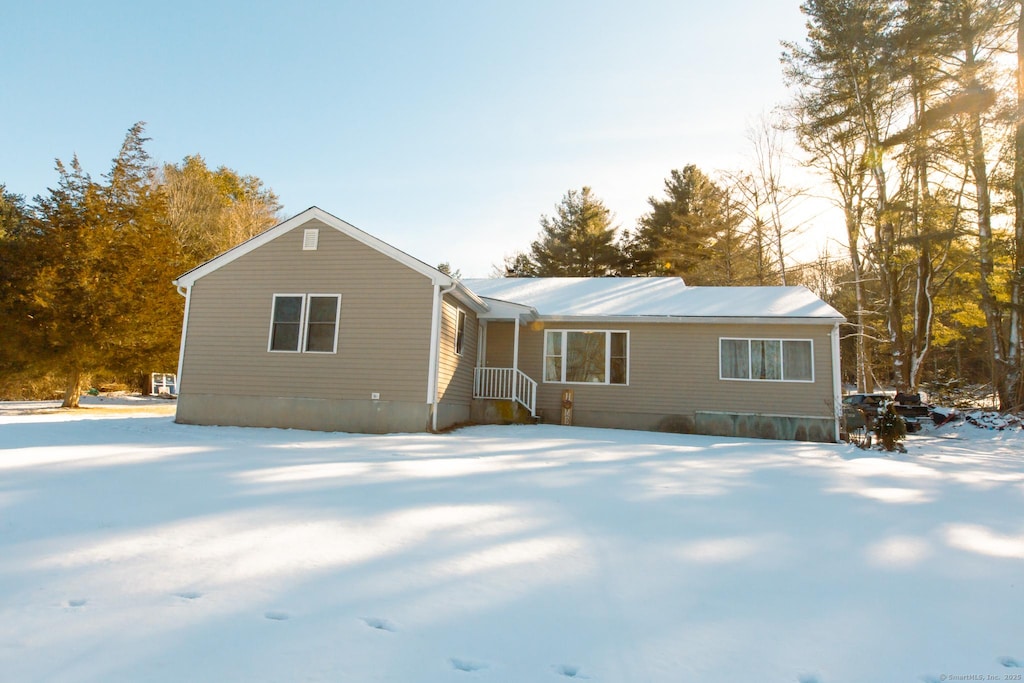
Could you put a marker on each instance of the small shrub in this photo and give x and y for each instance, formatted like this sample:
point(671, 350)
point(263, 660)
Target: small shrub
point(891, 428)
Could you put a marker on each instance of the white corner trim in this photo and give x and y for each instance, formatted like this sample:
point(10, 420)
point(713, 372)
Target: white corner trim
point(184, 329)
point(433, 374)
point(434, 334)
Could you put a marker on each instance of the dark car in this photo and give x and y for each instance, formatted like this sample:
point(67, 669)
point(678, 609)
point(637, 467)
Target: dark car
point(860, 411)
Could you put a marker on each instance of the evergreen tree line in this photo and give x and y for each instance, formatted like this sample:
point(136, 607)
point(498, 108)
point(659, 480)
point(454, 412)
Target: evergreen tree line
point(87, 266)
point(708, 231)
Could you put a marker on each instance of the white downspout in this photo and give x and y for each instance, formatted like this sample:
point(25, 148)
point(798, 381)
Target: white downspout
point(187, 293)
point(435, 351)
point(837, 382)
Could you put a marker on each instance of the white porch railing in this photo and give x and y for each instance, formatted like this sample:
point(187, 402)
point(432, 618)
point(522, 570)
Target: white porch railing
point(510, 384)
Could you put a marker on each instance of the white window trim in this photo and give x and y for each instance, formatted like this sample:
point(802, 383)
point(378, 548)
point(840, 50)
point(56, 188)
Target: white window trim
point(337, 322)
point(607, 358)
point(782, 361)
point(303, 322)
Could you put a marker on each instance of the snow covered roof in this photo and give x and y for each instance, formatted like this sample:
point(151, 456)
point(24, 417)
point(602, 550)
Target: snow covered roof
point(664, 297)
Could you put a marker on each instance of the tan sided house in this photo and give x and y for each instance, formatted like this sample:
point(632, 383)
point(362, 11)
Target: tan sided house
point(315, 324)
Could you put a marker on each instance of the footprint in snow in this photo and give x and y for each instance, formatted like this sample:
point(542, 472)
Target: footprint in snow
point(189, 595)
point(379, 624)
point(569, 671)
point(77, 602)
point(1011, 663)
point(276, 616)
point(808, 679)
point(466, 665)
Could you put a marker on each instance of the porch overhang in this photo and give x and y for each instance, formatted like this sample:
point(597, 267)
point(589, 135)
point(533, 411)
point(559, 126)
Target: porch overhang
point(506, 310)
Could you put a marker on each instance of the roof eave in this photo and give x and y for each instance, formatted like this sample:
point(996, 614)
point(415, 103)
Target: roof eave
point(503, 310)
point(467, 296)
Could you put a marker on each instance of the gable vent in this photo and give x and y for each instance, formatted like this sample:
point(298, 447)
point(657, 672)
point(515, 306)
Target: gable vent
point(310, 239)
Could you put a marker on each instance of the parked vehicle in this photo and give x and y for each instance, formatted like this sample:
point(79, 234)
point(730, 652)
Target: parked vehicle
point(861, 410)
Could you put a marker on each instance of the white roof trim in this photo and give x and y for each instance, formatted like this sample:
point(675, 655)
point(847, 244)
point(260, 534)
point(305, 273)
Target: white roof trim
point(469, 297)
point(435, 276)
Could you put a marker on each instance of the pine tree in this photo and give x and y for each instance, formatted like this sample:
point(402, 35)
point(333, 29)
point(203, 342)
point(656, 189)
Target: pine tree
point(14, 221)
point(516, 265)
point(579, 240)
point(98, 260)
point(692, 232)
point(13, 213)
point(88, 266)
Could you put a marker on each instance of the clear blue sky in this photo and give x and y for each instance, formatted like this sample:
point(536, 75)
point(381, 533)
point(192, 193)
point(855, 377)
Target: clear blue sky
point(444, 128)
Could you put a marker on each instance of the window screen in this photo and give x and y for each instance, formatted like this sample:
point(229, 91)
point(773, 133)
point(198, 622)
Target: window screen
point(322, 323)
point(287, 323)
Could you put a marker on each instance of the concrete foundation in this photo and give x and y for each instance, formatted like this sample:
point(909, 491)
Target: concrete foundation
point(499, 412)
point(784, 427)
point(382, 417)
point(364, 417)
point(450, 414)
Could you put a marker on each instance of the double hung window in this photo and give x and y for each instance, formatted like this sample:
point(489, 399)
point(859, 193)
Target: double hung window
point(306, 323)
point(586, 357)
point(772, 360)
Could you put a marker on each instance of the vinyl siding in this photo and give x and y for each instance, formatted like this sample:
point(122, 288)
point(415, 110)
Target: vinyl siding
point(455, 372)
point(673, 370)
point(500, 345)
point(384, 325)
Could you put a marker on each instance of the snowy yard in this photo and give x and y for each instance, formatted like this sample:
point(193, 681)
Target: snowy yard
point(135, 549)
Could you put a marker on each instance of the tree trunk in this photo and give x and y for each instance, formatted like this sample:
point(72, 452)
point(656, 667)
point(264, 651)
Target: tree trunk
point(73, 389)
point(986, 266)
point(924, 315)
point(864, 377)
point(923, 310)
point(888, 271)
point(888, 278)
point(1014, 354)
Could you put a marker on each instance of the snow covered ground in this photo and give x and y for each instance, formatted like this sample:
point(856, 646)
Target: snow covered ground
point(135, 549)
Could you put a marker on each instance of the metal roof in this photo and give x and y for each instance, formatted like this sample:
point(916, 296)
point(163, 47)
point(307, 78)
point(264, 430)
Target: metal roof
point(668, 297)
